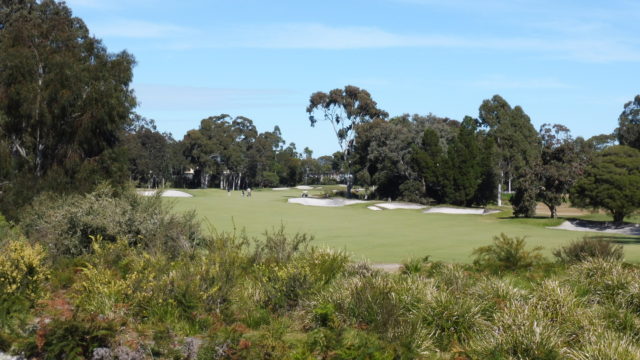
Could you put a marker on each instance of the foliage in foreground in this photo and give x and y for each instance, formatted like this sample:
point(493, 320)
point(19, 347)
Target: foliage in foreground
point(228, 296)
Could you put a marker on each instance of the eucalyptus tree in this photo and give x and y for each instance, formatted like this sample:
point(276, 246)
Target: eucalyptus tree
point(628, 131)
point(65, 99)
point(561, 165)
point(515, 138)
point(344, 109)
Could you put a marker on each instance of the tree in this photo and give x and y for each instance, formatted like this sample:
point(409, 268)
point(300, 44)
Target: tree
point(561, 165)
point(65, 100)
point(431, 164)
point(628, 131)
point(152, 159)
point(344, 109)
point(382, 156)
point(611, 181)
point(515, 138)
point(465, 172)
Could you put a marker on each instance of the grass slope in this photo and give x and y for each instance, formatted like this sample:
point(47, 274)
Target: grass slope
point(378, 236)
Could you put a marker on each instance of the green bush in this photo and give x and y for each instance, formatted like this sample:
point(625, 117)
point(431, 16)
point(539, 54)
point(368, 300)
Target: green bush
point(587, 248)
point(506, 254)
point(414, 266)
point(520, 331)
point(606, 346)
point(452, 319)
point(23, 271)
point(65, 224)
point(73, 338)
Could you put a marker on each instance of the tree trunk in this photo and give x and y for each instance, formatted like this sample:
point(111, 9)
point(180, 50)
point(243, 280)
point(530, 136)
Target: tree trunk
point(509, 191)
point(554, 211)
point(500, 189)
point(618, 217)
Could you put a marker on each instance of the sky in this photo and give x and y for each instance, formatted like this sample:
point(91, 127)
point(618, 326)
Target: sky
point(570, 62)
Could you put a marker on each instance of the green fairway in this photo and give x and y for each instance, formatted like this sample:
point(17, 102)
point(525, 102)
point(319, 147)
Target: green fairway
point(378, 236)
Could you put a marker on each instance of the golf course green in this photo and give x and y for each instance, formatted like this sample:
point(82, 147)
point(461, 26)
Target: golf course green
point(388, 236)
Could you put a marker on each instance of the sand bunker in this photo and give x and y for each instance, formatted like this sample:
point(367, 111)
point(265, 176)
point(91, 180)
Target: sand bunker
point(165, 193)
point(324, 202)
point(459, 211)
point(304, 187)
point(400, 205)
point(599, 226)
point(374, 208)
point(280, 189)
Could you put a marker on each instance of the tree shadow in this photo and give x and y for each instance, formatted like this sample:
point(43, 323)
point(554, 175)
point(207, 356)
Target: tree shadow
point(622, 240)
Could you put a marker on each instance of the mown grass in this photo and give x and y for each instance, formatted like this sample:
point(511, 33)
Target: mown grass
point(388, 236)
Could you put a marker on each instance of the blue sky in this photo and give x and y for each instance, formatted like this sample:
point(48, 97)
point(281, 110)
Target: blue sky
point(569, 62)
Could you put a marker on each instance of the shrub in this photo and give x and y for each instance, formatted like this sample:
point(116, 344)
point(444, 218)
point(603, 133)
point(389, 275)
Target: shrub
point(65, 224)
point(506, 254)
point(519, 332)
point(606, 346)
point(279, 247)
point(414, 266)
point(73, 338)
point(22, 270)
point(607, 282)
point(383, 304)
point(587, 248)
point(452, 319)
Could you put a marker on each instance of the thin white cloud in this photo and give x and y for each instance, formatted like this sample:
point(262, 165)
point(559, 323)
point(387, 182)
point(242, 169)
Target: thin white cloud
point(322, 37)
point(127, 28)
point(173, 98)
point(499, 82)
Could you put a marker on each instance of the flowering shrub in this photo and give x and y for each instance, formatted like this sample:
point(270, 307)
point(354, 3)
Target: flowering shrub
point(22, 270)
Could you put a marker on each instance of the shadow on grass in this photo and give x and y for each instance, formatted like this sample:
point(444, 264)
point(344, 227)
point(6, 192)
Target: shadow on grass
point(622, 240)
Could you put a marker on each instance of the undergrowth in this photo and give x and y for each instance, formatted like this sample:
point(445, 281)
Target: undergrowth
point(127, 291)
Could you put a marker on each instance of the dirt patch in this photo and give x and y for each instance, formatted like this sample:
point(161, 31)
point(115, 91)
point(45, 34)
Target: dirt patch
point(599, 226)
point(563, 210)
point(324, 202)
point(459, 211)
point(374, 208)
point(304, 187)
point(280, 189)
point(390, 268)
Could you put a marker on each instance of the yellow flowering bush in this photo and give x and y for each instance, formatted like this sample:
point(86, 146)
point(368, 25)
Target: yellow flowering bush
point(22, 270)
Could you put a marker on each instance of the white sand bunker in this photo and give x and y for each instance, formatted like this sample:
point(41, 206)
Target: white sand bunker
point(400, 205)
point(374, 208)
point(459, 211)
point(281, 189)
point(324, 202)
point(304, 187)
point(598, 226)
point(165, 193)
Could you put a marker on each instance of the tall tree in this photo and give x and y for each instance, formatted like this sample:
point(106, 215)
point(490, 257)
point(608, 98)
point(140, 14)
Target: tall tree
point(65, 99)
point(628, 131)
point(611, 181)
point(431, 164)
point(561, 165)
point(344, 109)
point(516, 139)
point(464, 164)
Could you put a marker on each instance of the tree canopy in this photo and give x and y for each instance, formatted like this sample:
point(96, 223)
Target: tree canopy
point(611, 181)
point(515, 138)
point(344, 109)
point(628, 131)
point(64, 99)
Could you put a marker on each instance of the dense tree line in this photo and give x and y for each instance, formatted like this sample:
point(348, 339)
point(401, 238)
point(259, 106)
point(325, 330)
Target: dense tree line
point(67, 124)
